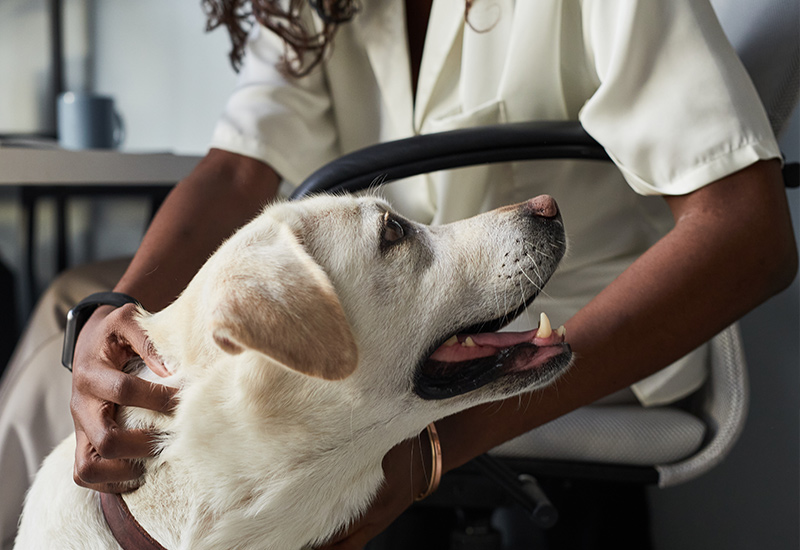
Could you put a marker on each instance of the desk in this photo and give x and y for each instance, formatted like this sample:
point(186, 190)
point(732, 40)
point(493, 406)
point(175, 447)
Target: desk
point(58, 174)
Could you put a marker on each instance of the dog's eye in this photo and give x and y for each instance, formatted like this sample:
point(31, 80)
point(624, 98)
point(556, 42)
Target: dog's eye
point(392, 230)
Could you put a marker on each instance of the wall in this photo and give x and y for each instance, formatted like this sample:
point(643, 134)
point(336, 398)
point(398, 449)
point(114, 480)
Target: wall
point(169, 77)
point(26, 77)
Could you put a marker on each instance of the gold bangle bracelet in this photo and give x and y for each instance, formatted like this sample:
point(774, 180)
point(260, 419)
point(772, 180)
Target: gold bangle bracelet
point(436, 462)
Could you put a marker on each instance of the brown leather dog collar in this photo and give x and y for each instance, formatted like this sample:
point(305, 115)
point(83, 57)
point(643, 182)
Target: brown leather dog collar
point(129, 534)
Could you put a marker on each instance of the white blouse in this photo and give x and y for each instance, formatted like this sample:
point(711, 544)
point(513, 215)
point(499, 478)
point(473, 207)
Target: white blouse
point(654, 81)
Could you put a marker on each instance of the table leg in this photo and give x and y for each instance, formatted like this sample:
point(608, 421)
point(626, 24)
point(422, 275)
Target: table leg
point(61, 233)
point(28, 200)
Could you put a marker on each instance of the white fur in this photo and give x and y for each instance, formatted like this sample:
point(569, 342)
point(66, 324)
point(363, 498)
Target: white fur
point(281, 453)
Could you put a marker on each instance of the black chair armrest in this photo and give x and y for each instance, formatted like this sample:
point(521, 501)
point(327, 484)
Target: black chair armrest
point(426, 153)
point(454, 149)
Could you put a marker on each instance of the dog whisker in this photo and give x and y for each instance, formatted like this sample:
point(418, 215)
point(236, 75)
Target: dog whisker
point(536, 269)
point(500, 312)
point(539, 276)
point(541, 289)
point(529, 396)
point(499, 405)
point(505, 305)
point(522, 295)
point(543, 252)
point(376, 184)
point(537, 287)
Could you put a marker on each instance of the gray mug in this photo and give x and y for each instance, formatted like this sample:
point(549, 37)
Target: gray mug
point(88, 121)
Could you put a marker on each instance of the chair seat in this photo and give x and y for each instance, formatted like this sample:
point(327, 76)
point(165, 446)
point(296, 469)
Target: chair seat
point(617, 434)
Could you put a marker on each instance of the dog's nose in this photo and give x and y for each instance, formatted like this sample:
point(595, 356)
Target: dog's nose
point(543, 206)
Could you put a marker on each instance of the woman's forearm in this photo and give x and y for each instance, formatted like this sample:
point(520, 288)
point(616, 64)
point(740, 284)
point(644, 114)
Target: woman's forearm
point(222, 193)
point(732, 247)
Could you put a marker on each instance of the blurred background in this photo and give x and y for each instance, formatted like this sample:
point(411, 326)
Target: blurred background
point(170, 80)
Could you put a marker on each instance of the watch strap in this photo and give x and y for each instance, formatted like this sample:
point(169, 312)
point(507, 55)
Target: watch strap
point(78, 315)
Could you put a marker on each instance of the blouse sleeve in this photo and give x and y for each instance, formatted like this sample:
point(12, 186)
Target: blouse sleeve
point(674, 108)
point(284, 122)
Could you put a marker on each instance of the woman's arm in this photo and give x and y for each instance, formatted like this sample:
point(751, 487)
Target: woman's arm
point(222, 193)
point(732, 248)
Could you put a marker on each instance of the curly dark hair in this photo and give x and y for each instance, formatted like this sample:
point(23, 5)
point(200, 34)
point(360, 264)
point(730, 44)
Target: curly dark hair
point(304, 48)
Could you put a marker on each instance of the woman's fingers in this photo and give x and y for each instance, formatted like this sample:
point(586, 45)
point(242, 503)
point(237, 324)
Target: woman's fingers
point(108, 384)
point(105, 453)
point(96, 421)
point(127, 330)
point(103, 474)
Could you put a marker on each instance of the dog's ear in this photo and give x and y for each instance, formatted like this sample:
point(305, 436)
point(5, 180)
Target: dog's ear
point(279, 301)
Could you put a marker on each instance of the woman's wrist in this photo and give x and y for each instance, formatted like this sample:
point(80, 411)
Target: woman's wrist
point(79, 315)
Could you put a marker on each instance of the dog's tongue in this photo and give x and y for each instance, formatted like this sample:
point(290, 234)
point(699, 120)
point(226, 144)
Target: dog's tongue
point(464, 347)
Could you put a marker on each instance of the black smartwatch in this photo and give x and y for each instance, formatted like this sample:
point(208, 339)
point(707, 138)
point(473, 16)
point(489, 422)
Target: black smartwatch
point(78, 315)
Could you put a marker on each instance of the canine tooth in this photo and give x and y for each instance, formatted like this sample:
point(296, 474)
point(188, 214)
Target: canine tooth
point(469, 342)
point(452, 341)
point(545, 330)
point(561, 331)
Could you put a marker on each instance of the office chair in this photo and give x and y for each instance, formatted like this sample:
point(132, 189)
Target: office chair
point(660, 445)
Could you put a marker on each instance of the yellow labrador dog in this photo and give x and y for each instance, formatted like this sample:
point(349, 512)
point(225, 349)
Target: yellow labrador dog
point(315, 339)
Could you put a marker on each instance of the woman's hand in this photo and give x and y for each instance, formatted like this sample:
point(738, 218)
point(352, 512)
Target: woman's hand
point(404, 478)
point(227, 188)
point(105, 453)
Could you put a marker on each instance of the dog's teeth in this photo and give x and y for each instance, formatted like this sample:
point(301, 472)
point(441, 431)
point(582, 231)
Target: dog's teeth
point(561, 331)
point(545, 330)
point(452, 341)
point(469, 342)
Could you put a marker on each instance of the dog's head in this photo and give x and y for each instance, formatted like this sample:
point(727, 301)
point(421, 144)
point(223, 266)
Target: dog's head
point(342, 294)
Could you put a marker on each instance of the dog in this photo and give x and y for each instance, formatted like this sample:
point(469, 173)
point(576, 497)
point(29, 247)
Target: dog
point(315, 339)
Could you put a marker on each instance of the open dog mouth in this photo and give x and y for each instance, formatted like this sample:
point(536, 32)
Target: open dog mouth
point(472, 359)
